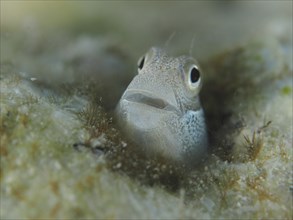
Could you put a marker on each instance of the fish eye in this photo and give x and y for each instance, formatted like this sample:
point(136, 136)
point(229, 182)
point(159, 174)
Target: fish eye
point(146, 58)
point(140, 63)
point(194, 75)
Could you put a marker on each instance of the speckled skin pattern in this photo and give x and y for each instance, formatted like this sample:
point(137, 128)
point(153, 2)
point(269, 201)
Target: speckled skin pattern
point(160, 110)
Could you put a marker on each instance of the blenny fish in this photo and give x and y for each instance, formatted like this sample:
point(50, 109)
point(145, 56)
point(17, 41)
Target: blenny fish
point(160, 111)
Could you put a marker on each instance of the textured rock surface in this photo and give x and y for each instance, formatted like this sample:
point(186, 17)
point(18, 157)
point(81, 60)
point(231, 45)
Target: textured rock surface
point(61, 155)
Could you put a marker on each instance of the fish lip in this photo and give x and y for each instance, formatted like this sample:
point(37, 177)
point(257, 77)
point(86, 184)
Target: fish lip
point(148, 99)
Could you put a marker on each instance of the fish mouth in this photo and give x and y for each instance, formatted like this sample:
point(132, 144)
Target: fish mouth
point(148, 99)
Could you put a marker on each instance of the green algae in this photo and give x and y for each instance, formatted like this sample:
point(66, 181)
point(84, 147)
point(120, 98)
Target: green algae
point(286, 90)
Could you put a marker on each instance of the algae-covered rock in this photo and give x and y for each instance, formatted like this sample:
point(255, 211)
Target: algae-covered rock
point(248, 96)
point(62, 155)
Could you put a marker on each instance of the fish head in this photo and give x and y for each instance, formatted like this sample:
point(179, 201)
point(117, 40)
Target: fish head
point(163, 91)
